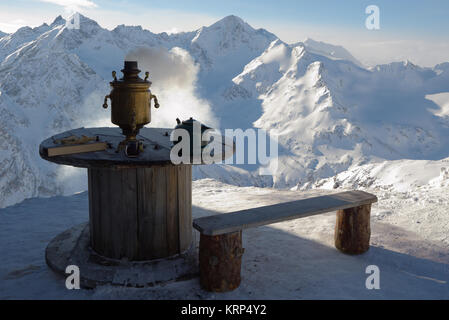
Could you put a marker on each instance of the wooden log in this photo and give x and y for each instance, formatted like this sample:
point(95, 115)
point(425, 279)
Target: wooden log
point(220, 260)
point(352, 229)
point(139, 213)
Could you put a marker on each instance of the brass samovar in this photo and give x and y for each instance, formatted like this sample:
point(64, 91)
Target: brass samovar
point(130, 105)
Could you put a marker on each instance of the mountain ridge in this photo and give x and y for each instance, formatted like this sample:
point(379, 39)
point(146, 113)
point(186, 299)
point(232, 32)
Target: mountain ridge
point(320, 102)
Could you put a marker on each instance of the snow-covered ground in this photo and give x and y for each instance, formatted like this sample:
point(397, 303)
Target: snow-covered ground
point(288, 260)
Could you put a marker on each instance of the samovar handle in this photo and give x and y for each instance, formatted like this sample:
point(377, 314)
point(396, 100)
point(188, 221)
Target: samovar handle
point(156, 102)
point(152, 96)
point(105, 104)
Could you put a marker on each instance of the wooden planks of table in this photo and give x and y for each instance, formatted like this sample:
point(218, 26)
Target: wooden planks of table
point(139, 208)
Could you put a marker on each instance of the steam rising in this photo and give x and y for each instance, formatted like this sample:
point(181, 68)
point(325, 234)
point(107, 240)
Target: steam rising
point(174, 75)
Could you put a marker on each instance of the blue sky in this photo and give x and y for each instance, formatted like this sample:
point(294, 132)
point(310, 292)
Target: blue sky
point(416, 30)
point(398, 15)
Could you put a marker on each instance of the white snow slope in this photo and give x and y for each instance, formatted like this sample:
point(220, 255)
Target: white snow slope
point(289, 260)
point(329, 113)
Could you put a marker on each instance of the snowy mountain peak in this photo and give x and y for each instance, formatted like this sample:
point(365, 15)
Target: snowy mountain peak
point(84, 20)
point(231, 35)
point(442, 66)
point(409, 65)
point(59, 20)
point(407, 62)
point(405, 66)
point(23, 31)
point(236, 24)
point(231, 19)
point(331, 51)
point(230, 22)
point(122, 27)
point(85, 24)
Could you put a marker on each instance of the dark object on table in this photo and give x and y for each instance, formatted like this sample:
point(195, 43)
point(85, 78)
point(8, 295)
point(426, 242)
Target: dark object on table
point(188, 125)
point(132, 148)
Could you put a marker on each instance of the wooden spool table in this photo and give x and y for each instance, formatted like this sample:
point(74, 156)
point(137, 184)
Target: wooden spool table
point(140, 211)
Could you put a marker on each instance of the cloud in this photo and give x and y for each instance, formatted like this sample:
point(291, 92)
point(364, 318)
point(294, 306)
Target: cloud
point(13, 25)
point(174, 75)
point(73, 4)
point(369, 47)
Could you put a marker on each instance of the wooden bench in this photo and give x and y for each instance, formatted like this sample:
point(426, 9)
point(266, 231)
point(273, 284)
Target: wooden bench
point(221, 251)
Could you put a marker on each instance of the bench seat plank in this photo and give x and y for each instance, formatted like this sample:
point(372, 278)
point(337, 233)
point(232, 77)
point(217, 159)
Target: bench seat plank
point(244, 219)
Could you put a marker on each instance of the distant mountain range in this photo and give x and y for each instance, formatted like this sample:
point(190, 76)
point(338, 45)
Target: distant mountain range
point(329, 112)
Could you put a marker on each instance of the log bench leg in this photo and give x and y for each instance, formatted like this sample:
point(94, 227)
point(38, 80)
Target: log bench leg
point(220, 260)
point(352, 229)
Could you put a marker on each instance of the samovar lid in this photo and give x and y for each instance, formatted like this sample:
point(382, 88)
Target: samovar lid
point(130, 71)
point(130, 76)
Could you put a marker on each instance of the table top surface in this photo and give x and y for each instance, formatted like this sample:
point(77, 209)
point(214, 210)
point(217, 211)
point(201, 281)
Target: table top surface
point(156, 141)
